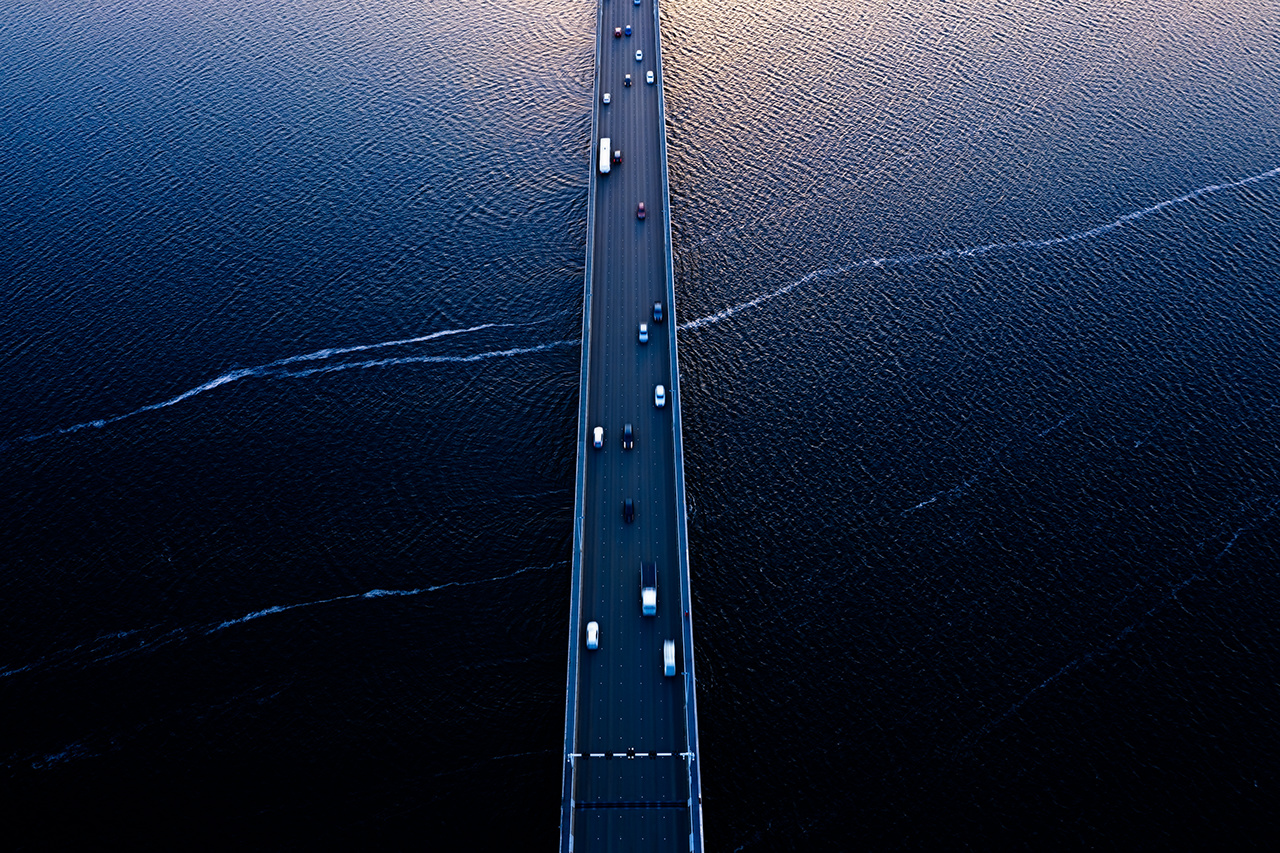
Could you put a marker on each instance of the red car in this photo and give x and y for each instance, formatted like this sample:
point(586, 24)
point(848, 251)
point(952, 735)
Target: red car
point(617, 32)
point(640, 210)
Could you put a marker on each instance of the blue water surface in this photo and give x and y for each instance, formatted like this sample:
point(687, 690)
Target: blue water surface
point(979, 318)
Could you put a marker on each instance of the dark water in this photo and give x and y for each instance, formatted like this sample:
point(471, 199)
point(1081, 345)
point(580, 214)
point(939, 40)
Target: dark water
point(982, 403)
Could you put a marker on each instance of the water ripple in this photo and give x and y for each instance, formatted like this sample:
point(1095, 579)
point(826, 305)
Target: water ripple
point(1113, 644)
point(276, 369)
point(93, 652)
point(974, 251)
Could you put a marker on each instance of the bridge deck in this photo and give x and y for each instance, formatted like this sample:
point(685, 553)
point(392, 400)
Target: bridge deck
point(620, 707)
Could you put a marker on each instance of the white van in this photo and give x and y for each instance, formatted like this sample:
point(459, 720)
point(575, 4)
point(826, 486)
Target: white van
point(668, 657)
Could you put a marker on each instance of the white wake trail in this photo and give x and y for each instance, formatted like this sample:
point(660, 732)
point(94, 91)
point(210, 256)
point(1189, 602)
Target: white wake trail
point(87, 654)
point(427, 359)
point(1113, 645)
point(974, 251)
point(373, 593)
point(332, 351)
point(224, 379)
point(276, 369)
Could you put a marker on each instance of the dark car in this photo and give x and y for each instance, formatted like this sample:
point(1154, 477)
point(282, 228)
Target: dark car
point(628, 439)
point(640, 210)
point(617, 156)
point(628, 29)
point(626, 80)
point(657, 312)
point(617, 32)
point(628, 510)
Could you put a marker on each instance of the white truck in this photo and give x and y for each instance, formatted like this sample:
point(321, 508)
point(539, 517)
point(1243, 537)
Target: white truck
point(648, 589)
point(605, 148)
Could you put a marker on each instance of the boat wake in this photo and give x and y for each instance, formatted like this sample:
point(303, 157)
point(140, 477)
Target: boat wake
point(122, 644)
point(1113, 644)
point(284, 369)
point(975, 251)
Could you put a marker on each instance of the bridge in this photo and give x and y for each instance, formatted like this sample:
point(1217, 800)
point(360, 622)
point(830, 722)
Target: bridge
point(631, 773)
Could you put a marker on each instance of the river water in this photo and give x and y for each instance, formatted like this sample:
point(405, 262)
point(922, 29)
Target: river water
point(980, 323)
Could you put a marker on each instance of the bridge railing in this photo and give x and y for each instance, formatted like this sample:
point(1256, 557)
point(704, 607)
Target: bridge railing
point(682, 530)
point(567, 793)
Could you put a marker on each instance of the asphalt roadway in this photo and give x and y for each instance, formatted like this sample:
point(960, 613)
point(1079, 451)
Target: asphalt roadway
point(625, 704)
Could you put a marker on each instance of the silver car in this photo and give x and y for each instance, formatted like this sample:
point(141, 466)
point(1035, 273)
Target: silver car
point(659, 396)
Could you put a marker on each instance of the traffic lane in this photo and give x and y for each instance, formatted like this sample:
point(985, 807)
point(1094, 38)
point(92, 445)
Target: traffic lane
point(629, 670)
point(656, 705)
point(639, 779)
point(627, 477)
point(608, 481)
point(618, 54)
point(629, 384)
point(621, 720)
point(615, 571)
point(594, 681)
point(618, 60)
point(630, 392)
point(640, 245)
point(631, 829)
point(607, 690)
point(639, 277)
point(632, 117)
point(617, 481)
point(640, 18)
point(660, 477)
point(629, 376)
point(615, 554)
point(641, 708)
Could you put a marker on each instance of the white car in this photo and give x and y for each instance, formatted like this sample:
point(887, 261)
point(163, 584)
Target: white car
point(644, 333)
point(659, 396)
point(593, 635)
point(604, 99)
point(648, 78)
point(668, 657)
point(639, 55)
point(599, 437)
